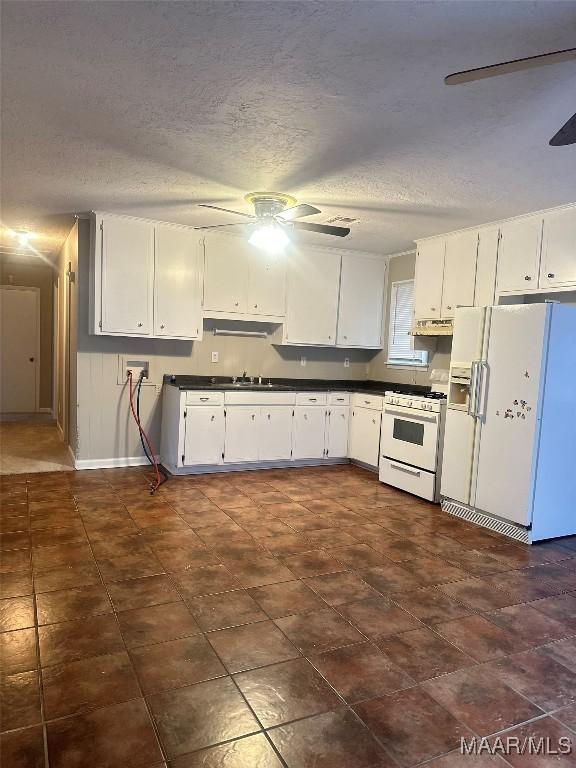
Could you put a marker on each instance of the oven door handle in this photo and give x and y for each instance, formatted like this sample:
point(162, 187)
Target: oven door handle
point(411, 414)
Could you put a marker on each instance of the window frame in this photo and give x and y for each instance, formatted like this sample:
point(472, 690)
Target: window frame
point(420, 359)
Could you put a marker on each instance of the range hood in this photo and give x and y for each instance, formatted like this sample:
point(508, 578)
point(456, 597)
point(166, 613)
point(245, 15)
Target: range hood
point(433, 328)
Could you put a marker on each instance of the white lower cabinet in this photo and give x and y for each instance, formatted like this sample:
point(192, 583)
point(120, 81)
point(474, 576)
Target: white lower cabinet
point(365, 435)
point(337, 424)
point(275, 433)
point(309, 432)
point(204, 435)
point(241, 441)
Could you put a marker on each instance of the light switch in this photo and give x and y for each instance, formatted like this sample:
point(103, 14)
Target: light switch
point(346, 362)
point(303, 361)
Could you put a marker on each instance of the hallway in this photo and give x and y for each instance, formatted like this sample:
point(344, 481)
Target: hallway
point(32, 447)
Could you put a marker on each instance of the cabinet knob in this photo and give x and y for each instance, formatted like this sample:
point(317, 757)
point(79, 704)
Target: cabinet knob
point(433, 309)
point(139, 325)
point(527, 277)
point(551, 274)
point(235, 303)
point(255, 306)
point(253, 417)
point(448, 307)
point(162, 327)
point(212, 418)
point(268, 417)
point(329, 337)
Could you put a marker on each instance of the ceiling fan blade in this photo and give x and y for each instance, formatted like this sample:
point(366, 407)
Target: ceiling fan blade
point(217, 226)
point(566, 135)
point(322, 229)
point(506, 67)
point(297, 211)
point(226, 210)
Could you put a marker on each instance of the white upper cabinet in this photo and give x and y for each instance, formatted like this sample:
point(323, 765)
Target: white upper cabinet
point(558, 266)
point(177, 283)
point(519, 255)
point(361, 301)
point(312, 296)
point(226, 264)
point(266, 284)
point(124, 276)
point(428, 279)
point(459, 272)
point(242, 280)
point(485, 289)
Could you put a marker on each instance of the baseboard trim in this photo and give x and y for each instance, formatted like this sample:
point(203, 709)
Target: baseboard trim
point(123, 461)
point(252, 466)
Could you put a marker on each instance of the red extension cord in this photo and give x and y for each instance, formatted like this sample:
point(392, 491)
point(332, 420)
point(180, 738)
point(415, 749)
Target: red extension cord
point(155, 485)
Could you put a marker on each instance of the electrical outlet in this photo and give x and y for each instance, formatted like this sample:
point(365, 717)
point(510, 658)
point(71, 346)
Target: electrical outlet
point(346, 362)
point(303, 361)
point(215, 357)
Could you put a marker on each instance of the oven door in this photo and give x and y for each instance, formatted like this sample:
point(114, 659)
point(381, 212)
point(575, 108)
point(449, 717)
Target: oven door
point(410, 435)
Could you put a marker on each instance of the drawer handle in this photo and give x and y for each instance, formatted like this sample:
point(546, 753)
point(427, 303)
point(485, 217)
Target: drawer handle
point(312, 399)
point(551, 274)
point(204, 399)
point(367, 402)
point(527, 277)
point(408, 470)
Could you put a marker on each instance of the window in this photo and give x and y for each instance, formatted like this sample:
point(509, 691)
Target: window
point(400, 341)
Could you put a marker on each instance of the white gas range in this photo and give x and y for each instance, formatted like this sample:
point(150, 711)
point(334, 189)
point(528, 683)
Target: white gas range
point(411, 442)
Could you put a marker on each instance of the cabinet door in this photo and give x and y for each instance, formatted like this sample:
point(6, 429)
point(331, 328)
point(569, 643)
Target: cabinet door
point(309, 430)
point(312, 296)
point(275, 440)
point(127, 276)
point(485, 290)
point(241, 443)
point(428, 280)
point(519, 255)
point(559, 249)
point(204, 436)
point(337, 432)
point(177, 283)
point(361, 301)
point(226, 263)
point(459, 272)
point(365, 436)
point(266, 284)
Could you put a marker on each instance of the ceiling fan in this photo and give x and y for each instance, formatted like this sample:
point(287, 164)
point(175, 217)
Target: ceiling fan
point(567, 134)
point(275, 214)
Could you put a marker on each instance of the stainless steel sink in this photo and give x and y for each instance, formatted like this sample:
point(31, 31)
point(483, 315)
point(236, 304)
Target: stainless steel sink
point(248, 385)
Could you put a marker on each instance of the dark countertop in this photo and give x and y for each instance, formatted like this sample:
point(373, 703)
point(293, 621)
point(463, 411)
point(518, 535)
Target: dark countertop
point(224, 383)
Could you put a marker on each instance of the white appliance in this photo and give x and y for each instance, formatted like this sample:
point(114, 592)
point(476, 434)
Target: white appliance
point(411, 442)
point(508, 460)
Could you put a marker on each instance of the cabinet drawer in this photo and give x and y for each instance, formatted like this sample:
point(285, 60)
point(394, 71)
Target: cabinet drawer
point(311, 398)
point(367, 401)
point(407, 478)
point(204, 398)
point(338, 398)
point(259, 398)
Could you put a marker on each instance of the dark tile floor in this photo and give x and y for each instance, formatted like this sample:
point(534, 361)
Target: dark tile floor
point(310, 618)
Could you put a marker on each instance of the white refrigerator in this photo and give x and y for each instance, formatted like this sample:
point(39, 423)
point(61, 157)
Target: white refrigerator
point(509, 460)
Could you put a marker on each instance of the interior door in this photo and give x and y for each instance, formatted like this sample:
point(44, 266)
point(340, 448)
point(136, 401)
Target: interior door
point(275, 439)
point(338, 428)
point(177, 283)
point(226, 264)
point(519, 255)
point(459, 272)
point(19, 349)
point(361, 301)
point(510, 411)
point(127, 276)
point(204, 436)
point(309, 431)
point(266, 284)
point(428, 279)
point(241, 442)
point(312, 298)
point(559, 249)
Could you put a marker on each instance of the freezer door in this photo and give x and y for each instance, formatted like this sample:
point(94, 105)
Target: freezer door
point(510, 407)
point(457, 457)
point(468, 334)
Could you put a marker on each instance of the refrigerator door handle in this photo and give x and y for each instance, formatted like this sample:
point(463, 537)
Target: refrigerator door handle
point(480, 410)
point(473, 390)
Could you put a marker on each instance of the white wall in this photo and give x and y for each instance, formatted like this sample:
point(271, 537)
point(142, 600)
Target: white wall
point(403, 268)
point(104, 428)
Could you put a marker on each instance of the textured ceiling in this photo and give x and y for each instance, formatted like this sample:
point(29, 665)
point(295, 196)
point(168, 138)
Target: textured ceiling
point(149, 107)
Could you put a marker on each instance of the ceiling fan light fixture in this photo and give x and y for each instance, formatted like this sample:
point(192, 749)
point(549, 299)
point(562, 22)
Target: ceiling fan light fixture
point(269, 237)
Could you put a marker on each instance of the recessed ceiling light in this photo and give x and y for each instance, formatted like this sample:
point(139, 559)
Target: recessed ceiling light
point(23, 237)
